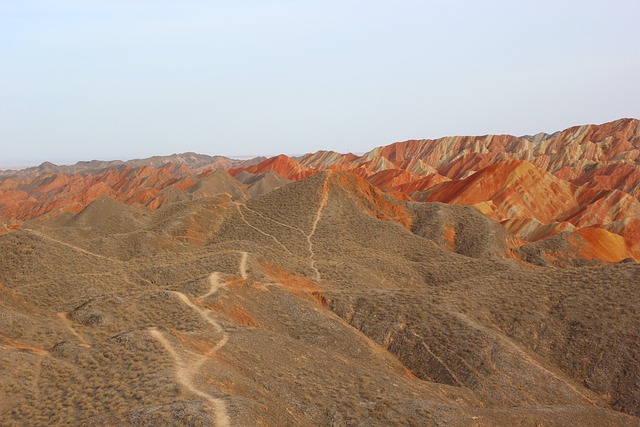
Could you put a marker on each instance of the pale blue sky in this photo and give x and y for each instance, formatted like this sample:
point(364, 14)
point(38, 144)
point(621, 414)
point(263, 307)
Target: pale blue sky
point(89, 79)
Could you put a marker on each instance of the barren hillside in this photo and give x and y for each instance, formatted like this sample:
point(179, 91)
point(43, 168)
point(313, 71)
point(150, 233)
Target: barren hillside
point(322, 302)
point(461, 281)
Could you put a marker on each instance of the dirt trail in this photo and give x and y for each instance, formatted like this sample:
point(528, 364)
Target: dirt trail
point(323, 201)
point(206, 316)
point(184, 373)
point(243, 265)
point(35, 383)
point(187, 369)
point(520, 352)
point(69, 325)
point(44, 236)
point(262, 232)
point(479, 378)
point(275, 220)
point(215, 284)
point(440, 361)
point(324, 197)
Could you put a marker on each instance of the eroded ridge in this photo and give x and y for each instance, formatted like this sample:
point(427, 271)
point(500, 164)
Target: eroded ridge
point(314, 225)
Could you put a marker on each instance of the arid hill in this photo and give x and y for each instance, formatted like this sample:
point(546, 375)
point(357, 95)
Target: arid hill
point(322, 302)
point(453, 282)
point(574, 181)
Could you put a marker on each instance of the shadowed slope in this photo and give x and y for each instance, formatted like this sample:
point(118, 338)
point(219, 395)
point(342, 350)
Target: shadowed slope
point(258, 184)
point(463, 230)
point(107, 216)
point(219, 182)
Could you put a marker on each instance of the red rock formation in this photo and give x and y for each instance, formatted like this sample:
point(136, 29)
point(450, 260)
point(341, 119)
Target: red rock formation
point(283, 165)
point(57, 193)
point(619, 176)
point(421, 185)
point(536, 186)
point(326, 159)
point(535, 205)
point(391, 178)
point(516, 188)
point(598, 243)
point(377, 203)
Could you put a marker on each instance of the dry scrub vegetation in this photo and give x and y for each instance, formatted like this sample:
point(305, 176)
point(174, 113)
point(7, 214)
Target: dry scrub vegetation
point(320, 303)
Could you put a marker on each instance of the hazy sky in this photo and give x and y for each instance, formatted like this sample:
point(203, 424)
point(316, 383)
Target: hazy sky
point(133, 78)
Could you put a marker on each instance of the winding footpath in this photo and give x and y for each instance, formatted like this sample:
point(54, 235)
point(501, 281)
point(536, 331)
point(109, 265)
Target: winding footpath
point(184, 375)
point(187, 370)
point(275, 239)
point(76, 248)
point(324, 197)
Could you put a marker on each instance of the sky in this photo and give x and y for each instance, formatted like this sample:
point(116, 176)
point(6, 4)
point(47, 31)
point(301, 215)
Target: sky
point(123, 79)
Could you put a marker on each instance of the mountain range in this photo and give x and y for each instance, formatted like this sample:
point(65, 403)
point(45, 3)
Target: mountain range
point(581, 185)
point(487, 280)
